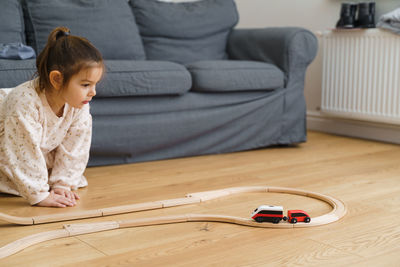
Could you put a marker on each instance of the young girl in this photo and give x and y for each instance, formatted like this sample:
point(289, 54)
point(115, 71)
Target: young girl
point(45, 124)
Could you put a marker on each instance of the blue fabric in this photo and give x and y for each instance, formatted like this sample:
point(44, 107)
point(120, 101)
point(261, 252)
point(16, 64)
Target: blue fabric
point(14, 72)
point(292, 50)
point(108, 24)
point(16, 51)
point(143, 78)
point(185, 32)
point(11, 22)
point(133, 129)
point(29, 33)
point(288, 48)
point(234, 75)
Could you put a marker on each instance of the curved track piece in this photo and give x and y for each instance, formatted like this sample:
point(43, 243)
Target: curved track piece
point(31, 240)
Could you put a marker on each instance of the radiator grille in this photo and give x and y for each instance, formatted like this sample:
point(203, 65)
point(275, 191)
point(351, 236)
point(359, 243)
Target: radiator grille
point(360, 78)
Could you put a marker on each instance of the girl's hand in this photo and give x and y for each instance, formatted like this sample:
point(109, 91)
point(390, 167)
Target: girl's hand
point(66, 193)
point(55, 200)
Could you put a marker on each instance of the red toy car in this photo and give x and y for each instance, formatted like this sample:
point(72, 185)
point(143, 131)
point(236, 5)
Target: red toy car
point(295, 216)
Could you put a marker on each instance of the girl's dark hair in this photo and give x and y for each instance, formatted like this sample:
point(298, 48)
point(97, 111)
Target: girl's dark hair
point(66, 53)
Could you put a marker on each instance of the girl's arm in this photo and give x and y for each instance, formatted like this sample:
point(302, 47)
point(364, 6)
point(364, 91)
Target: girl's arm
point(72, 154)
point(24, 162)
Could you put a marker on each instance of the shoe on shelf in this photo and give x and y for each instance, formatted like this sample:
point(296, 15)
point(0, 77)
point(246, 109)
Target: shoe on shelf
point(366, 15)
point(347, 16)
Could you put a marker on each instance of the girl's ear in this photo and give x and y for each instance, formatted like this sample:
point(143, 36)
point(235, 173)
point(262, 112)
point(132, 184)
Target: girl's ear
point(56, 79)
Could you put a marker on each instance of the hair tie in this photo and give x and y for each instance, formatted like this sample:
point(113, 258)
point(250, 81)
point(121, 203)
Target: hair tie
point(61, 34)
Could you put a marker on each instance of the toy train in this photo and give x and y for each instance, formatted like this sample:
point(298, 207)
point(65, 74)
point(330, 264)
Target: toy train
point(274, 214)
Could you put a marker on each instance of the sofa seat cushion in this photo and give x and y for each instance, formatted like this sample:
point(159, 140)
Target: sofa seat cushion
point(11, 22)
point(15, 72)
point(143, 78)
point(184, 32)
point(109, 24)
point(234, 75)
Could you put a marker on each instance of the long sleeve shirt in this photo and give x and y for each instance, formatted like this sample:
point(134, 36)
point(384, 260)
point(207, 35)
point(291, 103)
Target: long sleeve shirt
point(39, 150)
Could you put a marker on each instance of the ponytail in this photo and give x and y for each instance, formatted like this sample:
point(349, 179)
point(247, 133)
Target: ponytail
point(66, 53)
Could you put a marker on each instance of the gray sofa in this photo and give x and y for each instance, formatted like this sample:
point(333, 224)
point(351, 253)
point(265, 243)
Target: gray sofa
point(181, 80)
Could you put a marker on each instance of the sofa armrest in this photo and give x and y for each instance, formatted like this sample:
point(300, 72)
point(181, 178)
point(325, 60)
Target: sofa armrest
point(288, 48)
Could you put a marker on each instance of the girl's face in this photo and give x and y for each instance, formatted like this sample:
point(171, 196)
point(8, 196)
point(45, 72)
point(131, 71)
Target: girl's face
point(82, 87)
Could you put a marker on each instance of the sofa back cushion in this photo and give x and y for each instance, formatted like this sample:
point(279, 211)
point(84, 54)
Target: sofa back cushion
point(11, 22)
point(108, 24)
point(184, 32)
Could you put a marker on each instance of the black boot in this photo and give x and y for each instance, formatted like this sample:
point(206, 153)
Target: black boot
point(347, 16)
point(366, 15)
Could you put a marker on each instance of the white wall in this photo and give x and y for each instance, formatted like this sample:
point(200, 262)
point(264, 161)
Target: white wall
point(315, 15)
point(311, 14)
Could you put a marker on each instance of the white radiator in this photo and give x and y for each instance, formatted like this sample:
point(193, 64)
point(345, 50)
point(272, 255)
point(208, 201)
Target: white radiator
point(360, 79)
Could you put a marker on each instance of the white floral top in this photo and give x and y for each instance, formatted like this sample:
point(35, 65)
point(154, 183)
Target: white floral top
point(39, 150)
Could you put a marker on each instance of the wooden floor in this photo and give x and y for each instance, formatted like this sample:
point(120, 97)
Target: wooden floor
point(363, 174)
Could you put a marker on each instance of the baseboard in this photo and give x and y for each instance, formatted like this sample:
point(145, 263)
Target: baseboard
point(354, 128)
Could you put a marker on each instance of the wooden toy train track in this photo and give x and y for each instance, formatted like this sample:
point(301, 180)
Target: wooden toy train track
point(337, 212)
